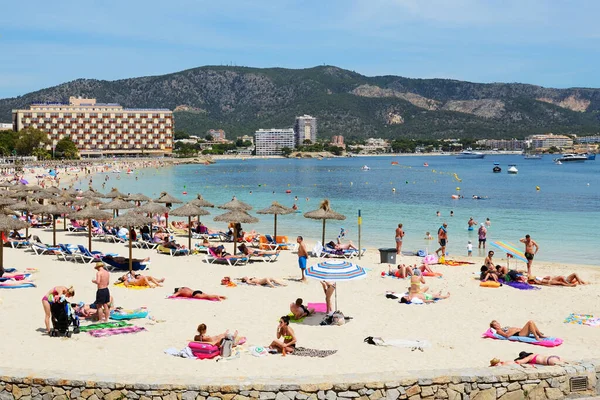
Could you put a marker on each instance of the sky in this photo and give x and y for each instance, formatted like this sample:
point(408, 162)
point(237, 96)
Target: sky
point(554, 43)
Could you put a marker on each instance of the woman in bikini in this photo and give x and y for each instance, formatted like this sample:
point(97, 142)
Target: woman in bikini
point(571, 280)
point(530, 358)
point(214, 340)
point(530, 328)
point(415, 285)
point(288, 344)
point(401, 272)
point(253, 252)
point(196, 294)
point(272, 282)
point(51, 296)
point(135, 279)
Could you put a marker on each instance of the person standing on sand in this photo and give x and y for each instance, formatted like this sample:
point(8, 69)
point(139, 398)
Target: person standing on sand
point(442, 239)
point(399, 237)
point(530, 244)
point(102, 294)
point(302, 256)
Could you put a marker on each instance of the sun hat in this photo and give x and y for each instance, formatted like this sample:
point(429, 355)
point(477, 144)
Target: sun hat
point(99, 264)
point(522, 355)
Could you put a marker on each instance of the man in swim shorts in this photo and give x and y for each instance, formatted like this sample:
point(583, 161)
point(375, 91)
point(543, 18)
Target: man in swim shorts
point(531, 249)
point(102, 294)
point(302, 256)
point(442, 239)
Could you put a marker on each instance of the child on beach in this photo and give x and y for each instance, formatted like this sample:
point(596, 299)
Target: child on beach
point(469, 249)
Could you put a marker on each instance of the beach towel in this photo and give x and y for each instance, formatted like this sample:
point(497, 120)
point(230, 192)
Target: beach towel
point(103, 325)
point(131, 286)
point(582, 319)
point(121, 314)
point(294, 319)
point(306, 352)
point(16, 285)
point(187, 298)
point(186, 352)
point(519, 285)
point(116, 331)
point(456, 263)
point(546, 342)
point(15, 276)
point(319, 307)
point(411, 344)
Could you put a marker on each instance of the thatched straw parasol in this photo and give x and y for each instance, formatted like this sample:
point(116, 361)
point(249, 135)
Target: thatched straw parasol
point(324, 212)
point(114, 194)
point(236, 216)
point(276, 209)
point(91, 193)
point(54, 210)
point(42, 195)
point(8, 224)
point(137, 197)
point(6, 201)
point(6, 184)
point(236, 204)
point(189, 210)
point(199, 201)
point(89, 213)
point(72, 191)
point(116, 205)
point(131, 220)
point(33, 188)
point(53, 190)
point(166, 198)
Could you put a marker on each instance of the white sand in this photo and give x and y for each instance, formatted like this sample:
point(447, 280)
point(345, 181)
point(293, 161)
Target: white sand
point(453, 326)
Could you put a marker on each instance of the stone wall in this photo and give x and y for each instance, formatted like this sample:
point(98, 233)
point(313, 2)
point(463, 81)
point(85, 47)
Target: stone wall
point(502, 383)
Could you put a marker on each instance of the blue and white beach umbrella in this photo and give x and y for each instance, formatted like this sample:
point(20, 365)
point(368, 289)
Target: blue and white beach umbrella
point(335, 271)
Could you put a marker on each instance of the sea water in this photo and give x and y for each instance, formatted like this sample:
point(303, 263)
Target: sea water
point(561, 216)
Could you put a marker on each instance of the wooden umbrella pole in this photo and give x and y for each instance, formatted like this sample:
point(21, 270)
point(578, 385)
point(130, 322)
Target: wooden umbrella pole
point(190, 234)
point(235, 234)
point(275, 229)
point(130, 253)
point(2, 254)
point(54, 230)
point(323, 243)
point(64, 222)
point(90, 234)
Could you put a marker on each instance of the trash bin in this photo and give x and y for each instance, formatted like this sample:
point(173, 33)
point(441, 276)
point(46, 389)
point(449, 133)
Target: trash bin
point(387, 256)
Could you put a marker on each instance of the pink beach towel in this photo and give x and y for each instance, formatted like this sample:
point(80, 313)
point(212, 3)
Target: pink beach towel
point(116, 331)
point(187, 298)
point(546, 342)
point(319, 307)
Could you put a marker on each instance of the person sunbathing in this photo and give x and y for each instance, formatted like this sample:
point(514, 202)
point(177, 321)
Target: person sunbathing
point(272, 282)
point(90, 311)
point(401, 272)
point(288, 344)
point(171, 244)
point(137, 279)
point(415, 284)
point(530, 328)
point(341, 246)
point(424, 268)
point(424, 297)
point(511, 275)
point(300, 310)
point(571, 280)
point(196, 294)
point(529, 358)
point(255, 252)
point(487, 274)
point(214, 340)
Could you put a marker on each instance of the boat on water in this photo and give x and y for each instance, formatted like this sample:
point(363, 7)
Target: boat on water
point(591, 156)
point(394, 162)
point(512, 169)
point(533, 157)
point(469, 155)
point(558, 162)
point(496, 168)
point(572, 158)
point(365, 168)
point(425, 164)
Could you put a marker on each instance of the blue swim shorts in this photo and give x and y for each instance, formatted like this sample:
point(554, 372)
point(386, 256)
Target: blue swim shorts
point(302, 262)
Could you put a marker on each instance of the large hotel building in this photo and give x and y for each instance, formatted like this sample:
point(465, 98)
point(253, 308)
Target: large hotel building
point(101, 129)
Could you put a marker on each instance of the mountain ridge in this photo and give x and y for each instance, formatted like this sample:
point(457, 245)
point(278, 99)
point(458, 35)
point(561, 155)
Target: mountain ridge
point(243, 99)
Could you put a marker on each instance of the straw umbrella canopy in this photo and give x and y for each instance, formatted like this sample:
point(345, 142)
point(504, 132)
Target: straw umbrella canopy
point(33, 188)
point(324, 212)
point(152, 208)
point(8, 224)
point(199, 201)
point(276, 209)
point(132, 219)
point(189, 210)
point(114, 193)
point(236, 216)
point(43, 195)
point(72, 191)
point(137, 197)
point(5, 201)
point(27, 207)
point(236, 204)
point(54, 210)
point(6, 184)
point(116, 205)
point(53, 190)
point(91, 193)
point(167, 200)
point(89, 213)
point(85, 201)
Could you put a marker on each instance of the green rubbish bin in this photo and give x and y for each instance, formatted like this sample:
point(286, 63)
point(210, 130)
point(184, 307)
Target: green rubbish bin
point(387, 256)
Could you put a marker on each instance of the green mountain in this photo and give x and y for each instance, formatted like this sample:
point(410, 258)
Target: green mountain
point(241, 100)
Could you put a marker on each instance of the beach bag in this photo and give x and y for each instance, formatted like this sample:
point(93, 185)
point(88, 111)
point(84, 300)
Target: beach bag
point(338, 318)
point(226, 346)
point(421, 253)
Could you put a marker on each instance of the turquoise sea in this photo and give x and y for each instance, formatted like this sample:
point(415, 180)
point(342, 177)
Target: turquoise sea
point(561, 216)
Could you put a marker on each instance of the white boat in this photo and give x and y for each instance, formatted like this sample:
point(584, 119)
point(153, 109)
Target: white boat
point(558, 162)
point(469, 155)
point(533, 156)
point(365, 168)
point(512, 169)
point(572, 158)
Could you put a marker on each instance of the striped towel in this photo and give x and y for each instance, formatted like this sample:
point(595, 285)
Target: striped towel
point(116, 331)
point(103, 325)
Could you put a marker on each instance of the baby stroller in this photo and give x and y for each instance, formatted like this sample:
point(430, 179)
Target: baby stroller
point(63, 316)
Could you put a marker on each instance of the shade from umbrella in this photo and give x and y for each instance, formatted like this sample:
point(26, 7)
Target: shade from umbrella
point(324, 212)
point(239, 216)
point(114, 193)
point(54, 210)
point(131, 220)
point(236, 204)
point(189, 210)
point(199, 201)
point(335, 271)
point(8, 224)
point(89, 213)
point(276, 209)
point(116, 205)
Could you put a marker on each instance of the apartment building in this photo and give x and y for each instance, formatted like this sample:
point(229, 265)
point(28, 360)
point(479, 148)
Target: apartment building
point(305, 128)
point(543, 142)
point(268, 142)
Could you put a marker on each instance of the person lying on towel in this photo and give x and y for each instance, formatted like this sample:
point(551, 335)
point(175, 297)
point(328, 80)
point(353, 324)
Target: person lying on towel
point(530, 328)
point(196, 294)
point(90, 311)
point(272, 282)
point(137, 279)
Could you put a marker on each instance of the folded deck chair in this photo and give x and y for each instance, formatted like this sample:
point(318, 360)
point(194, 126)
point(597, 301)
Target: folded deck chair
point(212, 258)
point(273, 245)
point(172, 252)
point(116, 263)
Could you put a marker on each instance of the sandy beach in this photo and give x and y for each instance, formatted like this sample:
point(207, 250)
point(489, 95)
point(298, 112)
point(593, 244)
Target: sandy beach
point(453, 326)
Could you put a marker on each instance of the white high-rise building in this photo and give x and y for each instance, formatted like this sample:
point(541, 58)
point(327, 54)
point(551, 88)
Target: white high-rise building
point(269, 142)
point(305, 129)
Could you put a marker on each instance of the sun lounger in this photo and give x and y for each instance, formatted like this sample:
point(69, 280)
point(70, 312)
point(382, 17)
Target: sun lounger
point(220, 236)
point(68, 254)
point(75, 227)
point(41, 249)
point(88, 256)
point(122, 264)
point(16, 243)
point(273, 245)
point(350, 253)
point(172, 252)
point(212, 258)
point(144, 244)
point(262, 257)
point(176, 230)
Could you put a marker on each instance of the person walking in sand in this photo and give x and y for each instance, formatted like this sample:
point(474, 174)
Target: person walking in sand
point(102, 294)
point(399, 237)
point(302, 256)
point(531, 249)
point(442, 239)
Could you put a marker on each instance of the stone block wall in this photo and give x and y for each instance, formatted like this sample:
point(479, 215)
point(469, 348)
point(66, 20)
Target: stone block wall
point(503, 383)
